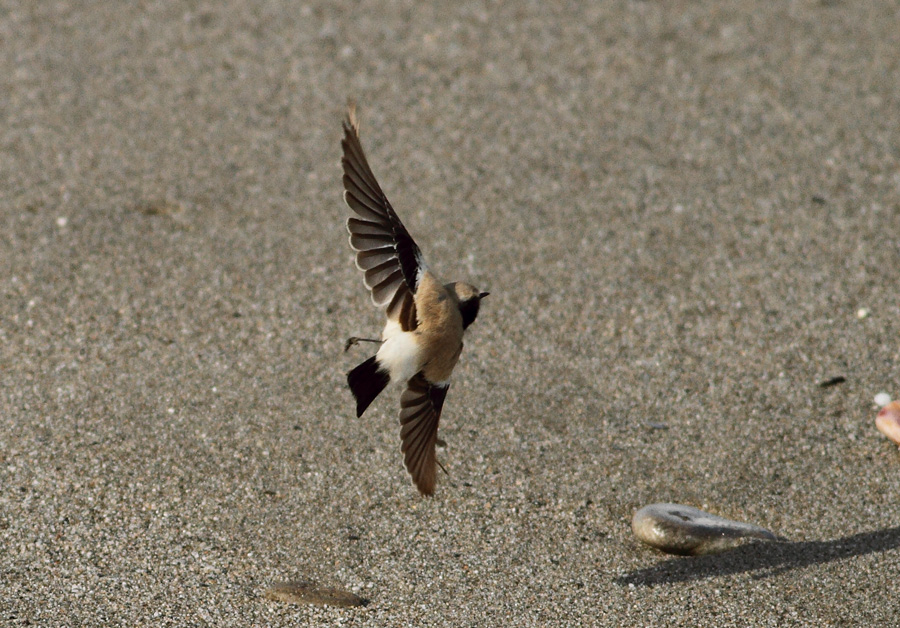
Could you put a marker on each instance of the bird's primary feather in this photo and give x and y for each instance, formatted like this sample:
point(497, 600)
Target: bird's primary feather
point(386, 252)
point(420, 413)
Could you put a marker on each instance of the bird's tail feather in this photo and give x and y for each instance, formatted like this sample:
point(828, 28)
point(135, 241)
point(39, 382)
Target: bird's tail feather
point(366, 381)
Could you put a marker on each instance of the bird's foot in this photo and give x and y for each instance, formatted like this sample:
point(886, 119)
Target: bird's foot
point(353, 340)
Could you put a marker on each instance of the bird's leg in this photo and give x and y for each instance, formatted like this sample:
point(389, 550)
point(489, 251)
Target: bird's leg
point(442, 467)
point(352, 340)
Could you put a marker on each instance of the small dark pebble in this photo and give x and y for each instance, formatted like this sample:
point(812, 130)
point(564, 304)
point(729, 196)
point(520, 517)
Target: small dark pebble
point(834, 381)
point(820, 200)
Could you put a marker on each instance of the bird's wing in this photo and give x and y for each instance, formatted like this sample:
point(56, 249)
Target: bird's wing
point(385, 251)
point(420, 412)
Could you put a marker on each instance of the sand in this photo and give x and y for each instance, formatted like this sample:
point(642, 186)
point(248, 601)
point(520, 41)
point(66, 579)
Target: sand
point(679, 209)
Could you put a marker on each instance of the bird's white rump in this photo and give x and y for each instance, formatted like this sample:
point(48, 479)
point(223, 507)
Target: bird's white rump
point(400, 355)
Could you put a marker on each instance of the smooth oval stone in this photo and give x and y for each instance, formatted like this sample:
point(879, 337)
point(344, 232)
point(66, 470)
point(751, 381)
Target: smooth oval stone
point(688, 531)
point(888, 421)
point(305, 592)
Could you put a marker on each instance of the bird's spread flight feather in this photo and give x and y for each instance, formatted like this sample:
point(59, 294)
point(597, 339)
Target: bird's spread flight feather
point(420, 413)
point(385, 251)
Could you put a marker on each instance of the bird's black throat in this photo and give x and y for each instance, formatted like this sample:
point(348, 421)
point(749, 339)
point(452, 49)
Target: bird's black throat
point(469, 310)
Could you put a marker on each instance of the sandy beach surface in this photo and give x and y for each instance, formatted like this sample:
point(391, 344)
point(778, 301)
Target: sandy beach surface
point(687, 214)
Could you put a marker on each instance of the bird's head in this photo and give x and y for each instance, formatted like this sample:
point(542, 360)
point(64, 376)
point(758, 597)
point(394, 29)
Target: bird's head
point(469, 298)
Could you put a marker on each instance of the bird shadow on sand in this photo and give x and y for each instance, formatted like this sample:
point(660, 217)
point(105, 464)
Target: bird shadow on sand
point(764, 560)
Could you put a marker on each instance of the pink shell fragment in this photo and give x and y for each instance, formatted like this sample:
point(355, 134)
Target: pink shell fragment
point(888, 421)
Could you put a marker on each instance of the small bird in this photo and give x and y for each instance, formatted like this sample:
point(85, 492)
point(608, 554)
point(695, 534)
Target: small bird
point(423, 335)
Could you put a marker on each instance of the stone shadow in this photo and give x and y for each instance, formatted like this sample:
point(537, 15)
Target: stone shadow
point(764, 560)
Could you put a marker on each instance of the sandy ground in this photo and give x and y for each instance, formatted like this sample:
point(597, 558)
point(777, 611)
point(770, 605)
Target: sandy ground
point(678, 207)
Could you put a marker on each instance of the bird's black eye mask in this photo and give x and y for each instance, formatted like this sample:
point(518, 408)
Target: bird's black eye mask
point(469, 311)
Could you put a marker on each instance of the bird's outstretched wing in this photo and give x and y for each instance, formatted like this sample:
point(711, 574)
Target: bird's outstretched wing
point(420, 412)
point(385, 251)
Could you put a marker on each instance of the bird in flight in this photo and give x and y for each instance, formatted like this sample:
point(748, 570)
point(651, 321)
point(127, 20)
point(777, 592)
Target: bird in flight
point(423, 336)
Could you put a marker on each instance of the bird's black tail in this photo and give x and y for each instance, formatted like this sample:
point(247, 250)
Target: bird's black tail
point(366, 381)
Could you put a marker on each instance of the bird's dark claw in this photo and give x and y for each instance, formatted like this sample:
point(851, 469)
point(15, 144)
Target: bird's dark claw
point(353, 340)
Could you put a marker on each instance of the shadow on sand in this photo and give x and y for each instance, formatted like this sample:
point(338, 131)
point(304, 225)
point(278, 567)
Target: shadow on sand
point(766, 559)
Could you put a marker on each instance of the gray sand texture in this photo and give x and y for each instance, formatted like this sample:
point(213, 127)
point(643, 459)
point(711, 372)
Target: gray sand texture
point(687, 215)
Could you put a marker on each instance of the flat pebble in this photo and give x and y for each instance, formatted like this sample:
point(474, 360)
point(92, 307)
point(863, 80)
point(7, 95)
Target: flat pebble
point(160, 207)
point(882, 399)
point(306, 592)
point(688, 531)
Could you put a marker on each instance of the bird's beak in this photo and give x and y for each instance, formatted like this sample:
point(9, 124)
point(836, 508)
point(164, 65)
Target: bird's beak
point(482, 295)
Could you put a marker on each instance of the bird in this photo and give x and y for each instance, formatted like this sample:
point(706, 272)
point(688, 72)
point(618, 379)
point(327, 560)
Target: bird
point(425, 319)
